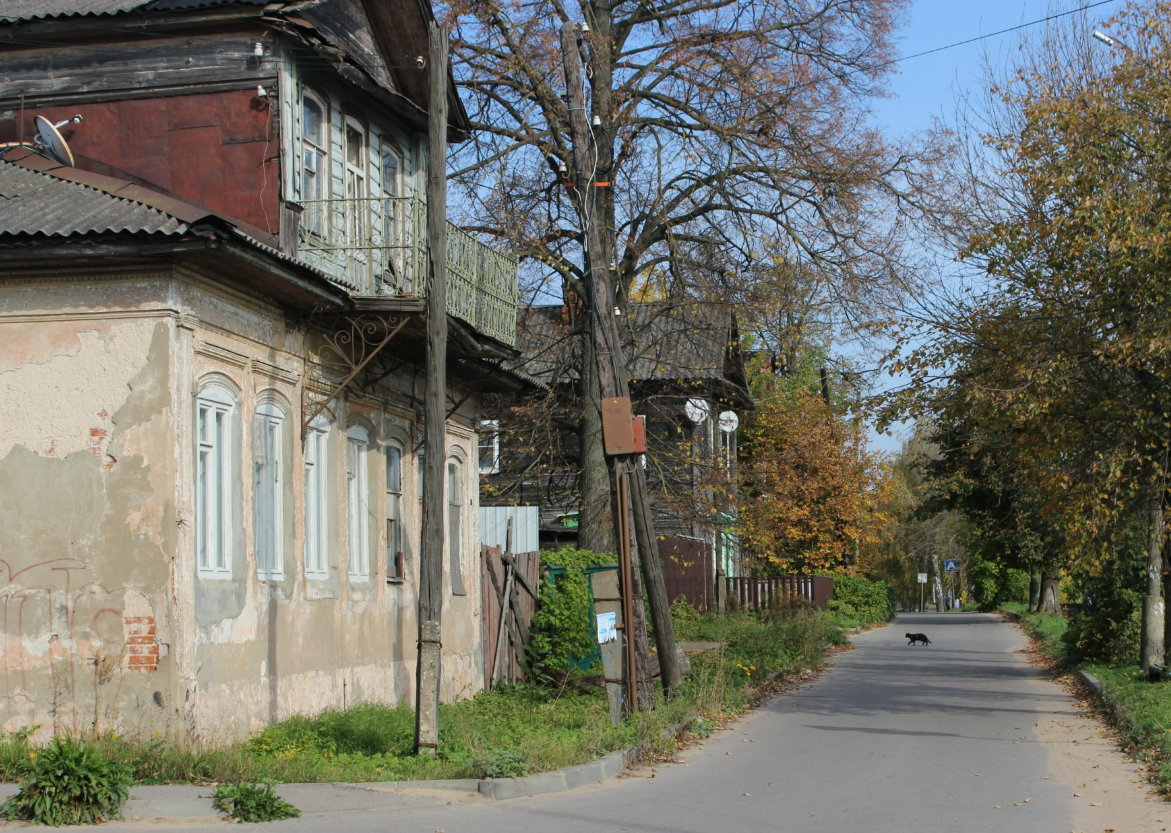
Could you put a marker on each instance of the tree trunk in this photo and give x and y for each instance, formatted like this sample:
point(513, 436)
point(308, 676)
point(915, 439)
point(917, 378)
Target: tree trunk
point(595, 516)
point(1151, 650)
point(1034, 588)
point(938, 583)
point(1050, 601)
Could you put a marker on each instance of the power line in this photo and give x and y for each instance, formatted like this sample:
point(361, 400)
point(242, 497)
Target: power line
point(1016, 28)
point(295, 48)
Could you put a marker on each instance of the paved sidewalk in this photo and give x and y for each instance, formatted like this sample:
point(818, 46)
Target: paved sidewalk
point(184, 801)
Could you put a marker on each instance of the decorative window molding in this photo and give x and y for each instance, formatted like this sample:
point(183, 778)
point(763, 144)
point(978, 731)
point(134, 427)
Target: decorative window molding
point(215, 415)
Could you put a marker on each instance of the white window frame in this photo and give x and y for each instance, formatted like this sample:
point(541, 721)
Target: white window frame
point(492, 427)
point(320, 154)
point(215, 411)
point(358, 501)
point(316, 515)
point(456, 520)
point(395, 533)
point(268, 502)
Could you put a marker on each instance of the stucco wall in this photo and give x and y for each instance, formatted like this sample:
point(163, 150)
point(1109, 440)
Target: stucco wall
point(87, 518)
point(97, 550)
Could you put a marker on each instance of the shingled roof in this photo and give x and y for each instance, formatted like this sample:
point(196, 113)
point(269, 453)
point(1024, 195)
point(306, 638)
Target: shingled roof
point(688, 341)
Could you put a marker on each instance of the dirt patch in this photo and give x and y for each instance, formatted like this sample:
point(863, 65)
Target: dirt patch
point(1111, 791)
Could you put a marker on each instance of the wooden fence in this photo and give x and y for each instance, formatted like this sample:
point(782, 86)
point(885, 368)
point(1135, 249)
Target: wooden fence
point(510, 586)
point(688, 570)
point(764, 592)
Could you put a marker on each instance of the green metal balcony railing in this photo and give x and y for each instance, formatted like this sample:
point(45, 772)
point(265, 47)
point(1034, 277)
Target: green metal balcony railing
point(378, 246)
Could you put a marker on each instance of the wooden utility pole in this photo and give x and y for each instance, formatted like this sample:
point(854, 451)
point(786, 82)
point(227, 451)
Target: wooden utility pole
point(610, 361)
point(427, 673)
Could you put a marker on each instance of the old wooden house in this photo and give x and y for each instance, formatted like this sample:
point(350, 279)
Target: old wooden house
point(687, 370)
point(211, 365)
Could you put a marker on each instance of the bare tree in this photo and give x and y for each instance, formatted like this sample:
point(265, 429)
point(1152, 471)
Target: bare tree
point(722, 132)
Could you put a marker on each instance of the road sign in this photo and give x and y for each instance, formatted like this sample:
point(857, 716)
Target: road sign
point(922, 578)
point(951, 565)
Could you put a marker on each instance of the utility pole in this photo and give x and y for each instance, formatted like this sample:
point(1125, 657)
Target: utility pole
point(611, 363)
point(427, 673)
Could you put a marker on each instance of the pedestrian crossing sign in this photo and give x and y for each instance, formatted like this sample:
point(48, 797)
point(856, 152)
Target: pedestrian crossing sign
point(951, 565)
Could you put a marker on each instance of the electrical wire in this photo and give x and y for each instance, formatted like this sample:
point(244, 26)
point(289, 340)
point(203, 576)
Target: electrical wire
point(387, 65)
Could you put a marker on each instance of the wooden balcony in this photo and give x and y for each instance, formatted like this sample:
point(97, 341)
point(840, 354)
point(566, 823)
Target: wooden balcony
point(377, 247)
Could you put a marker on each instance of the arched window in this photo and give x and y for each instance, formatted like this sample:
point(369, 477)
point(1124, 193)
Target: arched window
point(358, 500)
point(394, 511)
point(215, 415)
point(455, 525)
point(317, 499)
point(268, 453)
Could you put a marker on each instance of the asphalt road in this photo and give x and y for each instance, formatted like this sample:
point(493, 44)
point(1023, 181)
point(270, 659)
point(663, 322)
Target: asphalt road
point(889, 738)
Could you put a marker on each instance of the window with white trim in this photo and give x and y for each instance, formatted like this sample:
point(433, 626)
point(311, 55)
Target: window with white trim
point(314, 159)
point(455, 494)
point(489, 446)
point(215, 409)
point(268, 490)
point(317, 499)
point(358, 500)
point(394, 512)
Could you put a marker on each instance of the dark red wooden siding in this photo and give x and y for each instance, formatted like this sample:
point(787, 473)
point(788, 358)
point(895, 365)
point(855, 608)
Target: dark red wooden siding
point(216, 149)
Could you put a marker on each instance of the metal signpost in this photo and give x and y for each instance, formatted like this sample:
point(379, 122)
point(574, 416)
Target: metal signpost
point(922, 584)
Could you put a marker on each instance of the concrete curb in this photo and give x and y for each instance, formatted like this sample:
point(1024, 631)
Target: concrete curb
point(561, 780)
point(1091, 682)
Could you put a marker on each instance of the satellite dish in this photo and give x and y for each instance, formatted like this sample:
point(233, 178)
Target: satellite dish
point(729, 422)
point(53, 143)
point(697, 410)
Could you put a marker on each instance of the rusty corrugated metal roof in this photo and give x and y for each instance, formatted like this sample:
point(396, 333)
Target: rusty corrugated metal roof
point(14, 10)
point(32, 202)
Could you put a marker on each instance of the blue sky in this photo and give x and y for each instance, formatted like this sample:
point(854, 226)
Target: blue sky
point(927, 86)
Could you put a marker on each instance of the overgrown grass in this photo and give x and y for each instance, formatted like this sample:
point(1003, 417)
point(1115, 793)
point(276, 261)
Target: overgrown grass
point(496, 733)
point(1140, 710)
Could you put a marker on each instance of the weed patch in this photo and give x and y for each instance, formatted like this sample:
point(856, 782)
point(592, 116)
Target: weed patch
point(69, 783)
point(254, 802)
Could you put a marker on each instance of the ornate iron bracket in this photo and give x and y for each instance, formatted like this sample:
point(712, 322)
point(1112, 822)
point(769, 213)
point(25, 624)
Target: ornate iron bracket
point(347, 350)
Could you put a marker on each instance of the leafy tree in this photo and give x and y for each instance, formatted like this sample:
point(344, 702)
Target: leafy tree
point(1062, 355)
point(812, 491)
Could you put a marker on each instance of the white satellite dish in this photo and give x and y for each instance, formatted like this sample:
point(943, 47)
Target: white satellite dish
point(729, 422)
point(697, 410)
point(50, 140)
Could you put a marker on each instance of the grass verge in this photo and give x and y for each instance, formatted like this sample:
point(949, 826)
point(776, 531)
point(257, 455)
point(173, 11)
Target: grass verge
point(513, 730)
point(1141, 711)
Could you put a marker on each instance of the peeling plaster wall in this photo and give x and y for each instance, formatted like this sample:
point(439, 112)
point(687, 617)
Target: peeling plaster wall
point(87, 521)
point(106, 621)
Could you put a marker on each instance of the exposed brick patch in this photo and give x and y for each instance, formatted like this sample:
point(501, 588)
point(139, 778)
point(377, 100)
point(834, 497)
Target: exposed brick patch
point(142, 652)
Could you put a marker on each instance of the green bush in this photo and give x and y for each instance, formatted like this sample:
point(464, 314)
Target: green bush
point(872, 601)
point(562, 629)
point(253, 802)
point(1109, 624)
point(70, 783)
